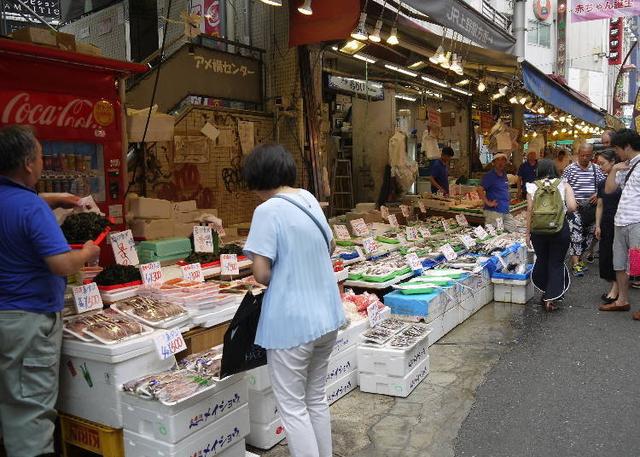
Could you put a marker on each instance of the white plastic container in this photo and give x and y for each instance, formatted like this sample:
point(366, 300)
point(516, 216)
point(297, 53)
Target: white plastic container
point(265, 436)
point(345, 362)
point(258, 378)
point(171, 424)
point(392, 362)
point(512, 291)
point(217, 438)
point(91, 376)
point(341, 387)
point(392, 385)
point(349, 336)
point(262, 406)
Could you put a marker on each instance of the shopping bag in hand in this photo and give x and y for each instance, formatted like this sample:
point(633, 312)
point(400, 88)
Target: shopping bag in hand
point(240, 353)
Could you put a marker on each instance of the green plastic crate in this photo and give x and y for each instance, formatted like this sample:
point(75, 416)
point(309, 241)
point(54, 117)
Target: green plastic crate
point(165, 250)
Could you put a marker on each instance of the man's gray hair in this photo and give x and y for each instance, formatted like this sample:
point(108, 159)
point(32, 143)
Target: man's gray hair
point(586, 145)
point(17, 147)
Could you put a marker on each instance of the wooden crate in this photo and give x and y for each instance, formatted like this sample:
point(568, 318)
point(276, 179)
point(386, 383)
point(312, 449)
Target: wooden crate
point(201, 339)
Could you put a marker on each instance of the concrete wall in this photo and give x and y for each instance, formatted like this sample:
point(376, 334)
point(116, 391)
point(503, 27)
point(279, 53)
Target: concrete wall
point(540, 56)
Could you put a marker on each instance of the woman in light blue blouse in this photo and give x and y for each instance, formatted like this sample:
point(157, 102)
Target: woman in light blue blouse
point(290, 243)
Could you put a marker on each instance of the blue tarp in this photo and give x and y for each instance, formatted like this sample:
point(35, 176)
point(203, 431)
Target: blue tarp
point(553, 93)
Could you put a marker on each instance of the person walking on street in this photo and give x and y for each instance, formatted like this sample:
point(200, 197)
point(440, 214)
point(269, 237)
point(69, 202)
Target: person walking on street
point(605, 213)
point(550, 272)
point(290, 243)
point(584, 178)
point(440, 172)
point(494, 191)
point(563, 160)
point(527, 173)
point(627, 219)
point(35, 259)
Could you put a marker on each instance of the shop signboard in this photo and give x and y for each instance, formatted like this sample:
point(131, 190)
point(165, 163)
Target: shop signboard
point(434, 118)
point(592, 10)
point(616, 30)
point(212, 16)
point(369, 89)
point(561, 34)
point(48, 9)
point(542, 9)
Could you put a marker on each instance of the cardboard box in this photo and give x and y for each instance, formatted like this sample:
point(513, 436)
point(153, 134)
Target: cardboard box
point(160, 128)
point(36, 35)
point(182, 229)
point(66, 41)
point(88, 48)
point(190, 217)
point(185, 206)
point(150, 208)
point(152, 229)
point(211, 211)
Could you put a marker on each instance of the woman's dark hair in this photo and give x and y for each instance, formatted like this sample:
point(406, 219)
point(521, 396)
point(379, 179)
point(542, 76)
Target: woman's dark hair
point(561, 153)
point(268, 167)
point(626, 137)
point(448, 151)
point(546, 169)
point(609, 155)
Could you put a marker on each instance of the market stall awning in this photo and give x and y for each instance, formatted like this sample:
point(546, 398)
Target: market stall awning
point(555, 94)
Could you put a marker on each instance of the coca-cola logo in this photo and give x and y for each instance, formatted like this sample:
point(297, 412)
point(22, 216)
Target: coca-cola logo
point(74, 113)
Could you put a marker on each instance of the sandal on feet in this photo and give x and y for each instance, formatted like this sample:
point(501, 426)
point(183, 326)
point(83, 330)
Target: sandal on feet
point(614, 307)
point(550, 305)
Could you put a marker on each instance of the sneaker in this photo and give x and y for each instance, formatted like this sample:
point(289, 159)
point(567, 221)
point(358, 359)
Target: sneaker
point(583, 265)
point(578, 270)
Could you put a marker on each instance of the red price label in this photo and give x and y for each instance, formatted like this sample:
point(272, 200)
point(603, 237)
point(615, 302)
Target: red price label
point(192, 272)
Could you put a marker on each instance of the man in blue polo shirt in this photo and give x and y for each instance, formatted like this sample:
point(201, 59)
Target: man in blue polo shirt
point(527, 173)
point(494, 191)
point(34, 262)
point(440, 172)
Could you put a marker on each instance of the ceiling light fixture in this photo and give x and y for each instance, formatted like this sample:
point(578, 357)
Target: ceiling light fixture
point(406, 97)
point(464, 82)
point(446, 61)
point(360, 32)
point(417, 64)
point(438, 56)
point(481, 86)
point(523, 99)
point(555, 133)
point(305, 8)
point(272, 2)
point(351, 47)
point(393, 36)
point(461, 91)
point(364, 58)
point(534, 134)
point(401, 70)
point(437, 82)
point(513, 100)
point(375, 36)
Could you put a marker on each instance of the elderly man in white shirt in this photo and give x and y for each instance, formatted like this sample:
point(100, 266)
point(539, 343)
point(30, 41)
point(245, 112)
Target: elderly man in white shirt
point(627, 221)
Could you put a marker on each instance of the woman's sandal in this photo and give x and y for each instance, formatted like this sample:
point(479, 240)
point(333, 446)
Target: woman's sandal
point(550, 306)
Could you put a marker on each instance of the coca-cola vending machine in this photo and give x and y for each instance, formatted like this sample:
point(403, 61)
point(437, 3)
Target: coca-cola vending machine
point(75, 104)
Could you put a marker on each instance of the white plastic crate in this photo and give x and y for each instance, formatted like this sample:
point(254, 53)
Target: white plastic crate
point(265, 436)
point(263, 408)
point(217, 438)
point(349, 336)
point(512, 291)
point(258, 378)
point(392, 385)
point(341, 387)
point(90, 380)
point(173, 423)
point(345, 362)
point(392, 362)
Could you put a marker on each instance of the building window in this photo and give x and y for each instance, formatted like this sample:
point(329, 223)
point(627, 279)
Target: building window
point(539, 34)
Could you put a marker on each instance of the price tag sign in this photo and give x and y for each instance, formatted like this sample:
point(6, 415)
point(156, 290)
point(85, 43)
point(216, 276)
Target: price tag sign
point(192, 272)
point(202, 238)
point(423, 209)
point(151, 273)
point(384, 212)
point(342, 233)
point(393, 220)
point(468, 241)
point(229, 264)
point(462, 220)
point(406, 211)
point(480, 232)
point(491, 229)
point(445, 225)
point(374, 314)
point(425, 232)
point(370, 245)
point(169, 343)
point(360, 227)
point(87, 297)
point(413, 261)
point(218, 228)
point(124, 248)
point(502, 262)
point(412, 233)
point(448, 252)
point(500, 224)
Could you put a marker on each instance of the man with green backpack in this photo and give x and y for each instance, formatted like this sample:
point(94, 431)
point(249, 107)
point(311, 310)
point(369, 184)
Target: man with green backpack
point(549, 199)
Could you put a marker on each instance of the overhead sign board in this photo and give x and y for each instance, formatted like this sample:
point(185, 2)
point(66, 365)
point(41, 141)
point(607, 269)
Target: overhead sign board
point(357, 86)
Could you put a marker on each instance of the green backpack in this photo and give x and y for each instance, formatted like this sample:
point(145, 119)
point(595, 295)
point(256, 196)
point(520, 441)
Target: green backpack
point(547, 215)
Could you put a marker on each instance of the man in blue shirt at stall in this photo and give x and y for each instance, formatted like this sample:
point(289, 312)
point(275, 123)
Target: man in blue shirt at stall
point(34, 262)
point(494, 191)
point(527, 173)
point(440, 172)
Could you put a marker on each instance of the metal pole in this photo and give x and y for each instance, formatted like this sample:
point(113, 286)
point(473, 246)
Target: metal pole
point(519, 27)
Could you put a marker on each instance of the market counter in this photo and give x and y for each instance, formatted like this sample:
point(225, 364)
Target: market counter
point(474, 217)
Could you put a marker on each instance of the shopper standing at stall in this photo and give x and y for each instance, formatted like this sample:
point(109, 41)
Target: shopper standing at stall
point(34, 261)
point(605, 138)
point(290, 243)
point(627, 220)
point(440, 172)
point(584, 178)
point(494, 191)
point(527, 172)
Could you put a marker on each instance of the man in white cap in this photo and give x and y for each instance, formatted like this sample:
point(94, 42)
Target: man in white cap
point(494, 191)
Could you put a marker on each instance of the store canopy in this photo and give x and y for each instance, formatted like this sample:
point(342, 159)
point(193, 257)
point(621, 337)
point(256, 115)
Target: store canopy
point(559, 96)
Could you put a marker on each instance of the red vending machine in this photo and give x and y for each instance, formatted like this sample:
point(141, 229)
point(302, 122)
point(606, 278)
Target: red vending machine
point(75, 104)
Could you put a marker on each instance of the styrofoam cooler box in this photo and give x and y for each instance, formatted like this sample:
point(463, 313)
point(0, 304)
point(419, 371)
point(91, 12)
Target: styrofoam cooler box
point(393, 385)
point(513, 291)
point(265, 436)
point(468, 307)
point(263, 408)
point(258, 378)
point(349, 336)
point(173, 423)
point(392, 362)
point(443, 324)
point(91, 375)
point(345, 362)
point(214, 439)
point(488, 294)
point(341, 387)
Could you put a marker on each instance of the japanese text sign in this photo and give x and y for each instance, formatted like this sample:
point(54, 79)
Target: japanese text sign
point(87, 297)
point(169, 343)
point(192, 272)
point(202, 238)
point(448, 252)
point(229, 264)
point(151, 273)
point(341, 232)
point(360, 227)
point(370, 245)
point(393, 220)
point(124, 249)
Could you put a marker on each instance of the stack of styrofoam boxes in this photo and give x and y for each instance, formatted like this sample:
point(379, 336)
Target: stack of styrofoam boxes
point(342, 378)
point(185, 215)
point(214, 421)
point(150, 218)
point(390, 371)
point(444, 313)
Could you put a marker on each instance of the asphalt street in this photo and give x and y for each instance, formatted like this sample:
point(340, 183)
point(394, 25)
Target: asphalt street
point(568, 387)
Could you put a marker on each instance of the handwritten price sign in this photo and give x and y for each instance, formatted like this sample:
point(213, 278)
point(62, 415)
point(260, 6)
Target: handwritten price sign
point(500, 224)
point(360, 227)
point(425, 232)
point(229, 264)
point(384, 212)
point(374, 314)
point(192, 272)
point(393, 220)
point(423, 209)
point(412, 233)
point(480, 232)
point(370, 245)
point(491, 229)
point(468, 241)
point(406, 211)
point(413, 261)
point(202, 238)
point(87, 298)
point(448, 252)
point(124, 248)
point(151, 273)
point(169, 343)
point(341, 232)
point(462, 220)
point(445, 225)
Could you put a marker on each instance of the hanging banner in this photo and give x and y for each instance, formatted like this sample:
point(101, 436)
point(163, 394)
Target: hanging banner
point(212, 16)
point(616, 30)
point(357, 86)
point(592, 10)
point(561, 34)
